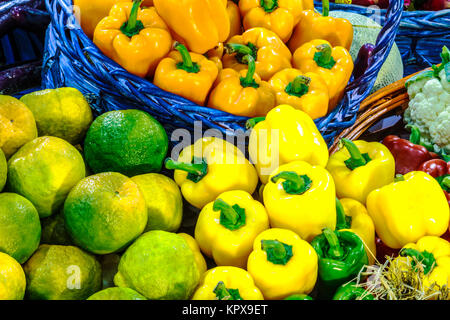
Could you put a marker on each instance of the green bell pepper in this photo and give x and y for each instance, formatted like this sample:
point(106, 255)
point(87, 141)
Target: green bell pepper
point(341, 257)
point(298, 296)
point(350, 291)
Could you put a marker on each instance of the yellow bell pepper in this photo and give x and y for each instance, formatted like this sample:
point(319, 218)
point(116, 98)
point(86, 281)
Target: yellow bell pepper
point(210, 167)
point(201, 24)
point(406, 210)
point(279, 16)
point(201, 263)
point(284, 136)
point(282, 264)
point(301, 197)
point(235, 19)
point(226, 227)
point(243, 94)
point(137, 39)
point(313, 25)
point(189, 75)
point(360, 167)
point(352, 216)
point(430, 257)
point(227, 283)
point(268, 50)
point(333, 64)
point(307, 92)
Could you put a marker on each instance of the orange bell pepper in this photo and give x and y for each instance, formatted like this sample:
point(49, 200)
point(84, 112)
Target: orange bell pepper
point(307, 92)
point(243, 94)
point(333, 64)
point(235, 19)
point(137, 39)
point(199, 24)
point(187, 74)
point(313, 25)
point(279, 16)
point(268, 50)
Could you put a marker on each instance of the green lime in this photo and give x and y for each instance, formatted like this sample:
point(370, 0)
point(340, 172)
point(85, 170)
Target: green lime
point(3, 170)
point(17, 125)
point(20, 228)
point(54, 230)
point(12, 279)
point(117, 293)
point(61, 112)
point(62, 273)
point(44, 171)
point(163, 199)
point(105, 212)
point(159, 265)
point(129, 141)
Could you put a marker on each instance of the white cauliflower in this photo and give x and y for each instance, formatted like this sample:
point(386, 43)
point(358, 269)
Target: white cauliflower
point(429, 109)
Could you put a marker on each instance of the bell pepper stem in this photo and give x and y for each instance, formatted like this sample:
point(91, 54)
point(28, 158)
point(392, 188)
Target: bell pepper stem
point(196, 170)
point(356, 158)
point(251, 123)
point(187, 63)
point(325, 8)
point(222, 293)
point(269, 5)
point(249, 81)
point(239, 48)
point(231, 217)
point(335, 250)
point(294, 183)
point(133, 26)
point(323, 57)
point(425, 258)
point(342, 221)
point(277, 251)
point(299, 86)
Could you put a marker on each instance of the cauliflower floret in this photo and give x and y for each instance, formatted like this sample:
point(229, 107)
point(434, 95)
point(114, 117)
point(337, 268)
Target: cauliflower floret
point(440, 130)
point(429, 109)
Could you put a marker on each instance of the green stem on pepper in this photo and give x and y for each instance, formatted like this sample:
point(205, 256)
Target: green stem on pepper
point(425, 258)
point(323, 57)
point(335, 250)
point(277, 251)
point(298, 87)
point(269, 5)
point(294, 183)
point(187, 65)
point(231, 217)
point(356, 158)
point(196, 171)
point(133, 26)
point(248, 80)
point(343, 221)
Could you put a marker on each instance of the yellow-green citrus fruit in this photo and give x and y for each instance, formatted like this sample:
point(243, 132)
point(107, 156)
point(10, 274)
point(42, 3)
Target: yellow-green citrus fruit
point(105, 212)
point(17, 125)
point(54, 230)
point(12, 279)
point(159, 265)
point(131, 142)
point(62, 273)
point(20, 228)
point(117, 293)
point(3, 170)
point(44, 171)
point(61, 112)
point(163, 199)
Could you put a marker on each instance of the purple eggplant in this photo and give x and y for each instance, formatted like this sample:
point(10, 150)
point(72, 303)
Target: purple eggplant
point(17, 79)
point(363, 60)
point(22, 13)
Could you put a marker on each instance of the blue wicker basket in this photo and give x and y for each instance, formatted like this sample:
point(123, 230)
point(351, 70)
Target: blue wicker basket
point(72, 59)
point(420, 37)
